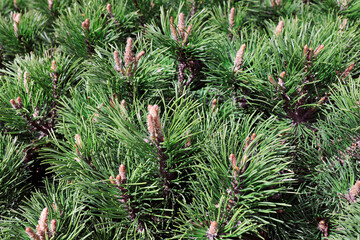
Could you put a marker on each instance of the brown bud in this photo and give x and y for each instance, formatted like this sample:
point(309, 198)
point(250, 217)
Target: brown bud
point(323, 227)
point(213, 104)
point(253, 136)
point(181, 24)
point(112, 180)
point(19, 102)
point(42, 227)
point(271, 80)
point(32, 234)
point(188, 142)
point(50, 4)
point(239, 58)
point(128, 55)
point(233, 162)
point(212, 230)
point(122, 173)
point(53, 227)
point(108, 8)
point(279, 28)
point(16, 18)
point(118, 62)
point(232, 17)
point(86, 24)
point(53, 65)
point(78, 141)
point(13, 104)
point(139, 55)
point(318, 49)
point(123, 104)
point(187, 33)
point(154, 123)
point(247, 142)
point(118, 180)
point(347, 71)
point(354, 190)
point(306, 49)
point(173, 31)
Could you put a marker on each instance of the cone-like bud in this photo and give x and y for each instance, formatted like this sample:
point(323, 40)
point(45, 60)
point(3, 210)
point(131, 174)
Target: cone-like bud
point(239, 58)
point(118, 62)
point(26, 81)
point(188, 142)
point(173, 30)
point(86, 24)
point(112, 181)
point(280, 80)
point(122, 173)
point(271, 80)
point(212, 230)
point(154, 123)
point(53, 65)
point(32, 234)
point(50, 4)
point(306, 49)
point(118, 180)
point(128, 55)
point(19, 102)
point(279, 28)
point(78, 141)
point(181, 24)
point(318, 49)
point(187, 33)
point(123, 104)
point(348, 70)
point(323, 227)
point(354, 190)
point(16, 19)
point(108, 8)
point(13, 104)
point(53, 227)
point(232, 17)
point(247, 142)
point(139, 55)
point(42, 227)
point(253, 136)
point(213, 104)
point(233, 162)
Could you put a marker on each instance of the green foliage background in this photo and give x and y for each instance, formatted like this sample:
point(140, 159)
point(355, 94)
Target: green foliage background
point(262, 144)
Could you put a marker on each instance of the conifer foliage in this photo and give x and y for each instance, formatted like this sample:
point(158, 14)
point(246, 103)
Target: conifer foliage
point(179, 119)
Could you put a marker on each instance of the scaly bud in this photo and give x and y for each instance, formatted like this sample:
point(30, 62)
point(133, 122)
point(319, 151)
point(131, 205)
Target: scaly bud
point(32, 234)
point(53, 227)
point(188, 142)
point(212, 230)
point(86, 24)
point(271, 80)
point(53, 65)
point(16, 19)
point(13, 104)
point(253, 136)
point(306, 49)
point(233, 162)
point(139, 55)
point(239, 58)
point(154, 124)
point(42, 227)
point(280, 80)
point(108, 8)
point(123, 104)
point(213, 104)
point(318, 49)
point(118, 180)
point(128, 55)
point(354, 190)
point(26, 81)
point(347, 71)
point(232, 17)
point(187, 33)
point(173, 30)
point(323, 227)
point(50, 4)
point(181, 24)
point(112, 181)
point(19, 102)
point(78, 141)
point(279, 28)
point(247, 142)
point(118, 62)
point(122, 173)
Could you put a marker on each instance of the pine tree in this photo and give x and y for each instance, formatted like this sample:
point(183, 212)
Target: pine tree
point(179, 119)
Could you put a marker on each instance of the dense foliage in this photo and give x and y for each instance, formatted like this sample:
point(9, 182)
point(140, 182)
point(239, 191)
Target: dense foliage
point(178, 119)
